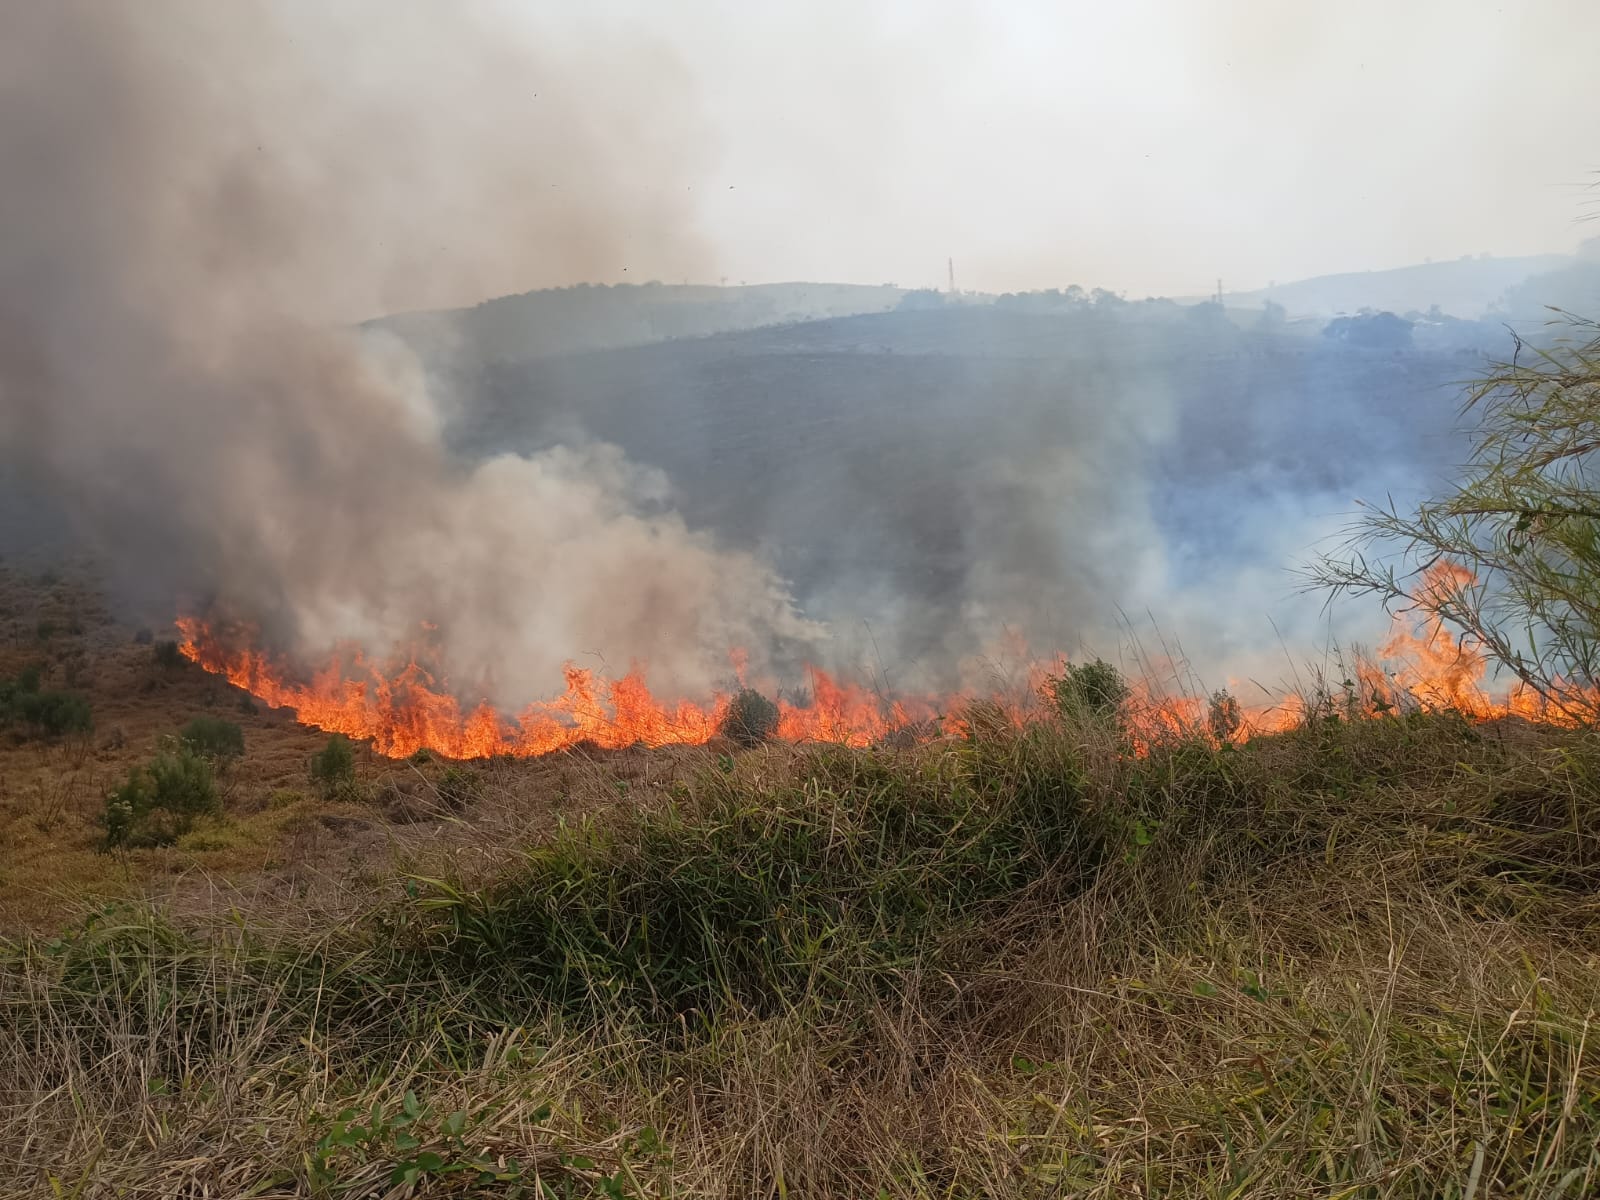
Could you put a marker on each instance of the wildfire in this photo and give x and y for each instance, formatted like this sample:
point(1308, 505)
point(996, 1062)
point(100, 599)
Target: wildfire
point(405, 709)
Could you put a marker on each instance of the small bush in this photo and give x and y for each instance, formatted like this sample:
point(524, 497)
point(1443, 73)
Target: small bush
point(23, 682)
point(167, 656)
point(1224, 718)
point(45, 630)
point(751, 719)
point(333, 768)
point(1087, 689)
point(158, 802)
point(214, 738)
point(46, 714)
point(247, 704)
point(143, 638)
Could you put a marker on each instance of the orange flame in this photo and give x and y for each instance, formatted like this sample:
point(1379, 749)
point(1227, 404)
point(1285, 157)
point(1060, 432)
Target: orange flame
point(405, 710)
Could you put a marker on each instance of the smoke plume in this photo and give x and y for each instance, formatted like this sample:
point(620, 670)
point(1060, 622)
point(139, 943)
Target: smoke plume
point(200, 199)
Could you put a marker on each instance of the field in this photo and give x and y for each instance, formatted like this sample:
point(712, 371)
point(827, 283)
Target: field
point(1354, 959)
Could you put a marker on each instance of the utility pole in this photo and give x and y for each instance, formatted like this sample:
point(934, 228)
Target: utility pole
point(1219, 291)
point(951, 263)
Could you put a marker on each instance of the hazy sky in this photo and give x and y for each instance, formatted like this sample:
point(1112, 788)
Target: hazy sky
point(1146, 145)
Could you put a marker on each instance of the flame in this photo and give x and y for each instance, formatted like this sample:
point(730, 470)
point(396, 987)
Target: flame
point(403, 708)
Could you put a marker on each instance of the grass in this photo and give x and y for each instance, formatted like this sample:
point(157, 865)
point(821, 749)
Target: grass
point(1352, 960)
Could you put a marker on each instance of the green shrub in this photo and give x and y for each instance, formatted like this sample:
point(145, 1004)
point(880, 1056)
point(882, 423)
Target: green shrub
point(45, 629)
point(1087, 689)
point(751, 719)
point(167, 656)
point(45, 714)
point(23, 682)
point(158, 802)
point(214, 738)
point(333, 768)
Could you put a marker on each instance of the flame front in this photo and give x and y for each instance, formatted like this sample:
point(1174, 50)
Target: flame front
point(405, 710)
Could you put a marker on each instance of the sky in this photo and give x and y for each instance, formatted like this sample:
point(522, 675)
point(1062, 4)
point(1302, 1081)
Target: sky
point(1149, 146)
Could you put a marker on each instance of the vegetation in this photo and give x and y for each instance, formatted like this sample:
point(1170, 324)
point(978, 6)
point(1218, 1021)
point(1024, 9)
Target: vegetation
point(48, 714)
point(457, 787)
point(333, 768)
point(159, 802)
point(166, 655)
point(751, 718)
point(1094, 689)
point(214, 738)
point(1524, 523)
point(1360, 958)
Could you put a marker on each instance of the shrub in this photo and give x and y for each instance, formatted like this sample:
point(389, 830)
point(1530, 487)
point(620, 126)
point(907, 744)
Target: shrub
point(47, 714)
point(143, 638)
point(1224, 718)
point(213, 738)
point(158, 802)
point(167, 656)
point(24, 681)
point(751, 719)
point(45, 630)
point(333, 768)
point(1087, 689)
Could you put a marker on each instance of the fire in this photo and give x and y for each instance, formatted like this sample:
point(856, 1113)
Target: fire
point(405, 709)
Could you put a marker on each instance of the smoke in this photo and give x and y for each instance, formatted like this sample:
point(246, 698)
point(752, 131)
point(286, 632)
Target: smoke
point(199, 199)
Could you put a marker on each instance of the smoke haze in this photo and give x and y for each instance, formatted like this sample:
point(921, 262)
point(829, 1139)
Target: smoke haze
point(195, 193)
point(202, 201)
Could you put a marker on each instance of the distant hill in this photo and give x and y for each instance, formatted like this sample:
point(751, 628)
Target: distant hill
point(600, 317)
point(1466, 287)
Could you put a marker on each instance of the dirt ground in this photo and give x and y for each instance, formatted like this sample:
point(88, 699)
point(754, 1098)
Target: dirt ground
point(277, 839)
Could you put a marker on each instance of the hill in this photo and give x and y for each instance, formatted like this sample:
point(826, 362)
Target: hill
point(1467, 288)
point(593, 317)
point(924, 463)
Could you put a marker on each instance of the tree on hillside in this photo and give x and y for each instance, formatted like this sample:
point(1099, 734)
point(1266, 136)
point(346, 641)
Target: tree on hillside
point(1524, 522)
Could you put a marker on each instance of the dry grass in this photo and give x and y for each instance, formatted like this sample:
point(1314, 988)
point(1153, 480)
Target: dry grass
point(1353, 960)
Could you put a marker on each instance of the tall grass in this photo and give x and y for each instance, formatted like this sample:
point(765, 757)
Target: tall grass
point(1356, 959)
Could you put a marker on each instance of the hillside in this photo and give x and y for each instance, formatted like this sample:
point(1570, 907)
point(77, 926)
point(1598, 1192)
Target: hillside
point(594, 317)
point(925, 457)
point(1466, 287)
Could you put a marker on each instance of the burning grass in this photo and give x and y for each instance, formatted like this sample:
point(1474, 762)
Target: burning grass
point(1357, 958)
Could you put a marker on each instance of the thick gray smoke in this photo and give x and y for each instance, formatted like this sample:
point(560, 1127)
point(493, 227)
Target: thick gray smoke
point(199, 199)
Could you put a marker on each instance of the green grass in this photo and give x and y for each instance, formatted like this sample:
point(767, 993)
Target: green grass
point(1352, 960)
